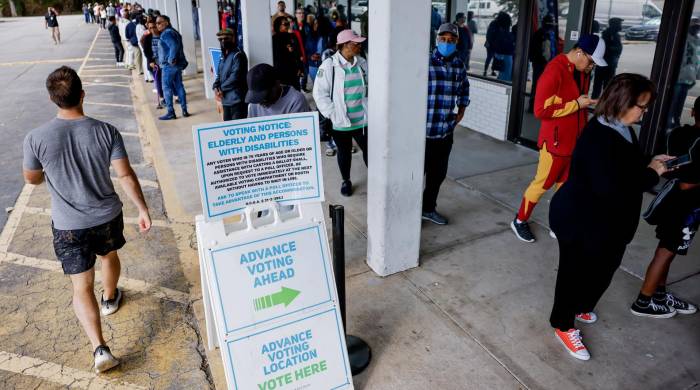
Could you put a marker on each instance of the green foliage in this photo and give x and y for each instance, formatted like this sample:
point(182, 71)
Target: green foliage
point(38, 7)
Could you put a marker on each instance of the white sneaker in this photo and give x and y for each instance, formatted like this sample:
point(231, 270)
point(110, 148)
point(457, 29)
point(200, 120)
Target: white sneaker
point(572, 341)
point(104, 360)
point(587, 318)
point(110, 306)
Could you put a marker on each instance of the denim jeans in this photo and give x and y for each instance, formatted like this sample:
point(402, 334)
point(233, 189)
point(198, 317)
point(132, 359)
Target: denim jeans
point(506, 74)
point(172, 83)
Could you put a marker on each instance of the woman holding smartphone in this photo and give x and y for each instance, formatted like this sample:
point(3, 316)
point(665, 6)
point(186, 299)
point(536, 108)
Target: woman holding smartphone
point(596, 212)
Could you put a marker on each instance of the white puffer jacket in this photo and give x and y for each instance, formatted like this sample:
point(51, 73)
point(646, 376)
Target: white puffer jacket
point(335, 109)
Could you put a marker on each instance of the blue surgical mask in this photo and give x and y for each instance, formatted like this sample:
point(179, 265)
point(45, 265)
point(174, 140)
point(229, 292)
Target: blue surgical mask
point(446, 49)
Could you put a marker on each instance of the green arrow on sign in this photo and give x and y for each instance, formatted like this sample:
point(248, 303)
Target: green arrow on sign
point(284, 297)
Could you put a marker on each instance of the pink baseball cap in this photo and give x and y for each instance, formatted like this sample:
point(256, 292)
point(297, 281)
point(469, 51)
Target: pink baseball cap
point(349, 35)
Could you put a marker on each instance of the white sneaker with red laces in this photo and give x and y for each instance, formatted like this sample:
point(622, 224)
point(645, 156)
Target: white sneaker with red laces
point(572, 341)
point(587, 318)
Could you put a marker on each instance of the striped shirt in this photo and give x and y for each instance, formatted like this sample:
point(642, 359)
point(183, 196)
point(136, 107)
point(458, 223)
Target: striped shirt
point(354, 92)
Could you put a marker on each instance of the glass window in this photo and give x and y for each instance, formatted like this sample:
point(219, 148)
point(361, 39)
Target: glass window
point(359, 16)
point(546, 42)
point(441, 7)
point(493, 27)
point(685, 89)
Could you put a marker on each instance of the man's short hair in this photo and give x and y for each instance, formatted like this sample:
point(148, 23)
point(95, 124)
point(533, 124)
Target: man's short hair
point(165, 17)
point(64, 87)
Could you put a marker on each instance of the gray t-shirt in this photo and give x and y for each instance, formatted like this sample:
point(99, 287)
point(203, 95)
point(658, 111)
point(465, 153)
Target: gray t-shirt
point(290, 102)
point(75, 156)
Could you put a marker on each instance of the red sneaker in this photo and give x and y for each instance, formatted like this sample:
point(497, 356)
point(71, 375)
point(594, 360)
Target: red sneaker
point(587, 318)
point(571, 339)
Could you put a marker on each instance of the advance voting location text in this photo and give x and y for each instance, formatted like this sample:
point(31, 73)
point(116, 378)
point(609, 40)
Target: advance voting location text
point(250, 161)
point(273, 277)
point(303, 354)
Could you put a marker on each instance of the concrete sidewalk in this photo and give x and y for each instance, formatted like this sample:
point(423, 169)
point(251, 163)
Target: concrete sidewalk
point(474, 315)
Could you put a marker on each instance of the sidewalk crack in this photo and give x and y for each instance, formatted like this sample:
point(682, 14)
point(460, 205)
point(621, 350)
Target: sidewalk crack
point(191, 322)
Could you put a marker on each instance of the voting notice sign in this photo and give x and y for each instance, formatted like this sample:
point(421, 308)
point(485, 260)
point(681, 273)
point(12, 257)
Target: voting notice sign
point(266, 279)
point(306, 353)
point(250, 161)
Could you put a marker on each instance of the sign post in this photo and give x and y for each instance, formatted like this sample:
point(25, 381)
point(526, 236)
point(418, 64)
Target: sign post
point(270, 294)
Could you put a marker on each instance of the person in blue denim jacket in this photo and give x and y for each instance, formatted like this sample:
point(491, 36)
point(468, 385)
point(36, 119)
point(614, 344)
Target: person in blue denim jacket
point(172, 62)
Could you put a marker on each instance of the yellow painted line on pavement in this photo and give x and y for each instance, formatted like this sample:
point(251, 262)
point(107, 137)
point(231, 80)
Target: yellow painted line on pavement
point(128, 284)
point(108, 104)
point(129, 220)
point(59, 374)
point(13, 220)
point(58, 61)
point(92, 46)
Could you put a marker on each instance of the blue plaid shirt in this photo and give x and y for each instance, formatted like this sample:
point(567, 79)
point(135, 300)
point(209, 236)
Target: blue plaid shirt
point(447, 86)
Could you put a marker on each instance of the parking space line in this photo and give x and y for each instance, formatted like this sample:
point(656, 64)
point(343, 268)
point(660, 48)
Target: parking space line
point(60, 374)
point(94, 84)
point(128, 284)
point(13, 220)
point(109, 104)
point(129, 220)
point(128, 134)
point(58, 61)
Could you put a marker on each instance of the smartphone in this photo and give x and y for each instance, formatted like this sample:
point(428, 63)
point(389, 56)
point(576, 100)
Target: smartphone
point(678, 162)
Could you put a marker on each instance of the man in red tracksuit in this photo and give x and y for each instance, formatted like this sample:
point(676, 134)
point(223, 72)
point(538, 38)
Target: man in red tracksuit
point(561, 99)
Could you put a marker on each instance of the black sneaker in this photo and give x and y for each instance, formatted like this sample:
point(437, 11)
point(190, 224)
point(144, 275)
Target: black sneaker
point(435, 218)
point(672, 301)
point(346, 188)
point(110, 306)
point(104, 360)
point(185, 114)
point(653, 310)
point(522, 230)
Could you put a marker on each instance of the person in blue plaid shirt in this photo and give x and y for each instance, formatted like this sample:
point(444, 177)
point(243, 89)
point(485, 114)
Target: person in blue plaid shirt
point(447, 87)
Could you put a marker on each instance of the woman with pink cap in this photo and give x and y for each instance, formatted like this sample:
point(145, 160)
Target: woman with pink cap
point(340, 92)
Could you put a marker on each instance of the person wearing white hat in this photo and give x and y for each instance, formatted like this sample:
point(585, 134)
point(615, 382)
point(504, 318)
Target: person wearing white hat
point(340, 93)
point(561, 102)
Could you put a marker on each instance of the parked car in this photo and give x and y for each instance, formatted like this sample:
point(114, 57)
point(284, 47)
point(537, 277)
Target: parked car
point(633, 12)
point(646, 31)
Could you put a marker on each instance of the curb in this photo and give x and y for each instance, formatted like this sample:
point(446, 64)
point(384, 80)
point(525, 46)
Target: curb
point(147, 123)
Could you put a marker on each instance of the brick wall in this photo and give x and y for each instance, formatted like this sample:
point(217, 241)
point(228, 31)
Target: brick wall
point(489, 108)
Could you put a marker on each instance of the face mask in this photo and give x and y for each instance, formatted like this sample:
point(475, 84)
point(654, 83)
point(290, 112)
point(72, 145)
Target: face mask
point(446, 49)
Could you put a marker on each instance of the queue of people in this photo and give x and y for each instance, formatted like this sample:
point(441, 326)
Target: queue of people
point(595, 164)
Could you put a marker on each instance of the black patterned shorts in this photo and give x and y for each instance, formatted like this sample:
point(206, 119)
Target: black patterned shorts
point(78, 249)
point(677, 234)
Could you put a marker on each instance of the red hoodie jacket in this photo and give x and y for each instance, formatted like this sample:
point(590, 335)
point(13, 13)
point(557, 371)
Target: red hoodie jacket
point(556, 106)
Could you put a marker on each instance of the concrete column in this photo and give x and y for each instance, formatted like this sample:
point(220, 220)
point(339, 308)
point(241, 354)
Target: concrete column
point(208, 27)
point(398, 85)
point(257, 39)
point(184, 15)
point(171, 11)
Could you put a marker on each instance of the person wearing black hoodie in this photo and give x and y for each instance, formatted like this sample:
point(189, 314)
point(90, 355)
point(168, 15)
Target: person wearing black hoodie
point(596, 212)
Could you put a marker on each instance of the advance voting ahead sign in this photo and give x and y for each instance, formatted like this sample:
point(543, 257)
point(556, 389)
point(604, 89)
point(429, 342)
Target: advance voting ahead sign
point(250, 161)
point(275, 303)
